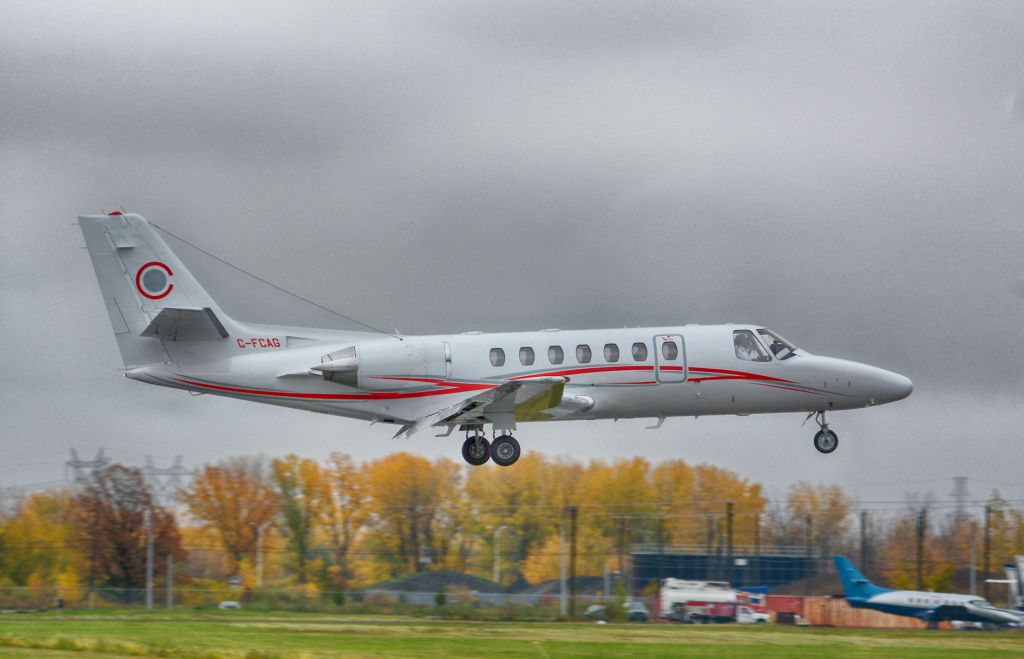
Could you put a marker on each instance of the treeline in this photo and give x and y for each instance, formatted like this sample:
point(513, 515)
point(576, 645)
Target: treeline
point(339, 524)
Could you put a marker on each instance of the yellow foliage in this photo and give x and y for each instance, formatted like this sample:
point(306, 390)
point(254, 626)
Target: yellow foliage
point(235, 498)
point(829, 510)
point(37, 541)
point(411, 513)
point(69, 587)
point(38, 583)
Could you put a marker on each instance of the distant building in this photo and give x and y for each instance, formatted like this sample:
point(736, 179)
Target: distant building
point(771, 566)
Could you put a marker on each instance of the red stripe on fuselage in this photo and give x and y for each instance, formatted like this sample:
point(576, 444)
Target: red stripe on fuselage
point(448, 387)
point(723, 374)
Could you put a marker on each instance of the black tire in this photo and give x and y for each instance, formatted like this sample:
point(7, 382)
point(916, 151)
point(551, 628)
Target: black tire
point(505, 450)
point(476, 451)
point(826, 441)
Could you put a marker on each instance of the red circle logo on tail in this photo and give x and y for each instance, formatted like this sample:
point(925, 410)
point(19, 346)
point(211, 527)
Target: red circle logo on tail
point(153, 280)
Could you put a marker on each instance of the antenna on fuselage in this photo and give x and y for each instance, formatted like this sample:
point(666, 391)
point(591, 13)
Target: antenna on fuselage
point(273, 285)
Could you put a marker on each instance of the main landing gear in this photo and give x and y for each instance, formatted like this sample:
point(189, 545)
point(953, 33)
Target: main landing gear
point(503, 449)
point(825, 440)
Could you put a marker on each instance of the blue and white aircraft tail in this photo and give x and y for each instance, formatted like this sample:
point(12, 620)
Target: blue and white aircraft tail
point(861, 593)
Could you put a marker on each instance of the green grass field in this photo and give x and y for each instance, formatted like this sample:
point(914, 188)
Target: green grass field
point(250, 634)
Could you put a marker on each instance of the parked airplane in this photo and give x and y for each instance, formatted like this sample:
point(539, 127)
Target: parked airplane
point(931, 607)
point(171, 333)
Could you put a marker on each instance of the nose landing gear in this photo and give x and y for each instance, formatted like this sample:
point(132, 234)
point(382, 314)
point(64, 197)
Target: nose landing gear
point(476, 450)
point(825, 440)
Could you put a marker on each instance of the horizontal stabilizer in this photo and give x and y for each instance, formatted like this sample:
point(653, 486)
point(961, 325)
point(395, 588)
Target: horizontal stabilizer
point(183, 324)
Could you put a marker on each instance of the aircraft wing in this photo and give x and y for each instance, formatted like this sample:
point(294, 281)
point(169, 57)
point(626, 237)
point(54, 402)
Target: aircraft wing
point(969, 611)
point(531, 399)
point(994, 614)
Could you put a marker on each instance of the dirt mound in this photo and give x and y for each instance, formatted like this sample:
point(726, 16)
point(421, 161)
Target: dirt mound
point(584, 586)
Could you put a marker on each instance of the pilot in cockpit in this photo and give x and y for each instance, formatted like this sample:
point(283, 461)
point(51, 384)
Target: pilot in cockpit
point(746, 349)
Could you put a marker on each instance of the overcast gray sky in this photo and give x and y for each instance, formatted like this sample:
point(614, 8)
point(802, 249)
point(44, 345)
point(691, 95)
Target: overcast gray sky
point(849, 174)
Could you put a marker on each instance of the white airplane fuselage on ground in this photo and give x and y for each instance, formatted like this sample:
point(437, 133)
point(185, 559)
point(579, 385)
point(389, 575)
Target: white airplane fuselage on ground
point(171, 333)
point(928, 606)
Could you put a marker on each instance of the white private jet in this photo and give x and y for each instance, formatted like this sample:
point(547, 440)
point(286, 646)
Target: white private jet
point(171, 333)
point(927, 606)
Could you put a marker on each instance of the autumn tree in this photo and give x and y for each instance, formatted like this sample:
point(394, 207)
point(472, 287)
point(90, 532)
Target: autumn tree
point(304, 496)
point(37, 542)
point(410, 506)
point(1006, 530)
point(236, 499)
point(109, 520)
point(826, 508)
point(513, 508)
point(619, 507)
point(900, 551)
point(714, 488)
point(344, 511)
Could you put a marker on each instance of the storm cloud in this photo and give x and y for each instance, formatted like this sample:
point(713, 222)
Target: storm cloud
point(847, 174)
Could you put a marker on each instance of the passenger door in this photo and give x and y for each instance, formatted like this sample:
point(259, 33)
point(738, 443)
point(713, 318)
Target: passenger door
point(669, 358)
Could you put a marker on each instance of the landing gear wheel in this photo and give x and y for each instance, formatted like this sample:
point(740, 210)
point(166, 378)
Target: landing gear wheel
point(476, 450)
point(826, 441)
point(505, 450)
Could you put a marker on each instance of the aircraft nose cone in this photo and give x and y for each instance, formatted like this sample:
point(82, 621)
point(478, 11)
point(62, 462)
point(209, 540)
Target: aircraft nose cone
point(893, 387)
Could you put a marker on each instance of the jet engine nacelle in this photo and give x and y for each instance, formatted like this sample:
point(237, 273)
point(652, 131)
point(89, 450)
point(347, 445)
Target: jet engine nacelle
point(388, 365)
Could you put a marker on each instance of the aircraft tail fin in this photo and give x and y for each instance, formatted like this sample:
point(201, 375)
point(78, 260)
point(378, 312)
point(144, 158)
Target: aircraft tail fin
point(150, 296)
point(855, 584)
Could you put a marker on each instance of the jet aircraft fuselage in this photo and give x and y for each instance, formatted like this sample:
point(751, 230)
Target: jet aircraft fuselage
point(171, 333)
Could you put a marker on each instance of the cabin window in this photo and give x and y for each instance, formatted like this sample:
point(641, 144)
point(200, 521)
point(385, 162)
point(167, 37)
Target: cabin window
point(497, 357)
point(639, 352)
point(748, 348)
point(669, 350)
point(526, 356)
point(611, 352)
point(780, 347)
point(583, 354)
point(556, 355)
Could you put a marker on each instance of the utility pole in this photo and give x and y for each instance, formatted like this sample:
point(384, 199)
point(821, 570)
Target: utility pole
point(707, 551)
point(987, 547)
point(497, 552)
point(661, 545)
point(960, 495)
point(920, 548)
point(572, 510)
point(864, 540)
point(148, 517)
point(563, 590)
point(622, 545)
point(165, 483)
point(973, 574)
point(807, 554)
point(259, 555)
point(170, 581)
point(81, 470)
point(757, 549)
point(729, 570)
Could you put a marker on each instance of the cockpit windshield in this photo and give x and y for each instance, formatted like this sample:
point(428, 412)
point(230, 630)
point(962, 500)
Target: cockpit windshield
point(748, 348)
point(780, 347)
